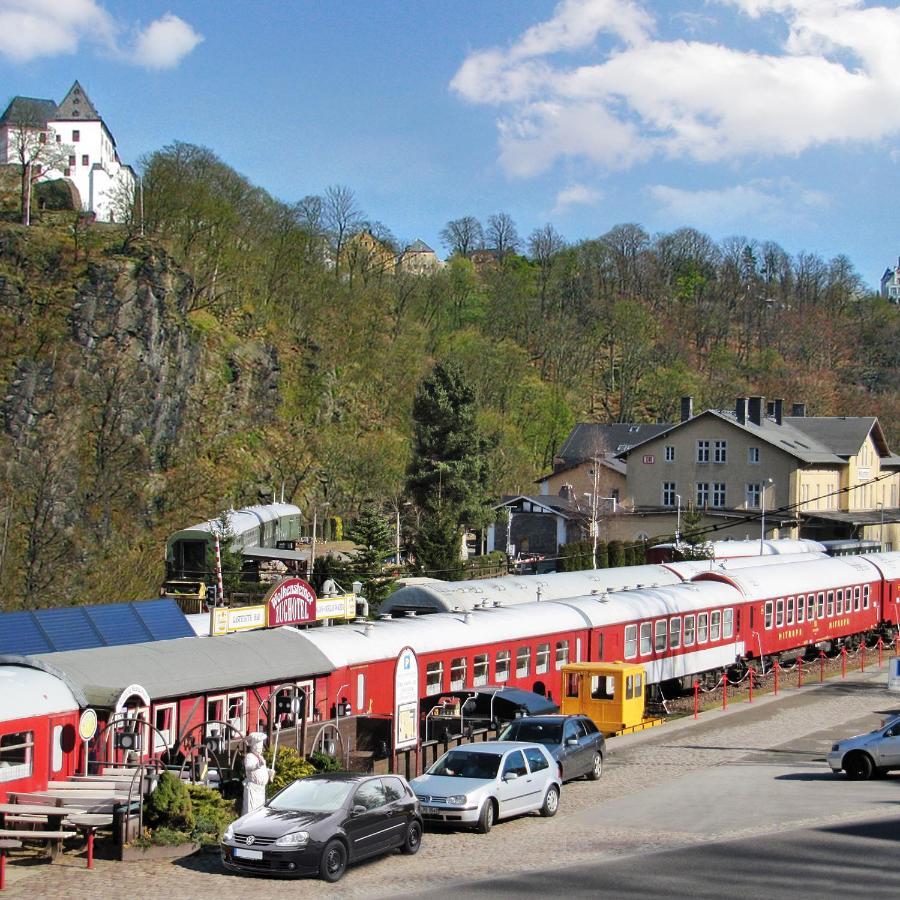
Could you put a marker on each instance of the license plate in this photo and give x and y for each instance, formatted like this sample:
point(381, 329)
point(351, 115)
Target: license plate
point(430, 810)
point(247, 854)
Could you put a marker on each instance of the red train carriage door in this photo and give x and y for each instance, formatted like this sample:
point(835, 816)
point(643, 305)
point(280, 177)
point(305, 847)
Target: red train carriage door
point(63, 748)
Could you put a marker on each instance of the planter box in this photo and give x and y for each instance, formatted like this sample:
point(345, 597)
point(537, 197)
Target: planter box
point(177, 851)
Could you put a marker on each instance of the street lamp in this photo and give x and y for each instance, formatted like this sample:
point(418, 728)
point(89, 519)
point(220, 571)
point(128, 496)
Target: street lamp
point(762, 521)
point(677, 520)
point(880, 505)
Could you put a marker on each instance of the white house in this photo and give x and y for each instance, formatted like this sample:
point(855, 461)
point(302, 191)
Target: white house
point(91, 162)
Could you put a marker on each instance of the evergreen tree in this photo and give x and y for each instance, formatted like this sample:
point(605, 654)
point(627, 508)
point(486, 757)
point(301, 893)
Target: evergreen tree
point(629, 555)
point(438, 547)
point(602, 555)
point(374, 538)
point(693, 543)
point(616, 554)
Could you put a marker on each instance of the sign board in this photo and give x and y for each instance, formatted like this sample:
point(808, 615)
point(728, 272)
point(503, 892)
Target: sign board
point(406, 700)
point(87, 724)
point(224, 620)
point(133, 690)
point(894, 673)
point(291, 602)
point(341, 607)
point(649, 459)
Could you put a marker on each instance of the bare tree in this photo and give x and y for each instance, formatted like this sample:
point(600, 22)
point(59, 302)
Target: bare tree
point(341, 218)
point(544, 244)
point(462, 236)
point(501, 233)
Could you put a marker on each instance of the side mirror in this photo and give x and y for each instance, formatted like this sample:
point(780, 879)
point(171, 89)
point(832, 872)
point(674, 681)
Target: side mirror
point(571, 742)
point(357, 810)
point(510, 776)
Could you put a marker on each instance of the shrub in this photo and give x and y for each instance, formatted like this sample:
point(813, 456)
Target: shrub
point(289, 766)
point(325, 763)
point(213, 813)
point(169, 806)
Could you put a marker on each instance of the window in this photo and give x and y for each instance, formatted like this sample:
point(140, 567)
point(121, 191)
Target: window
point(702, 451)
point(237, 711)
point(16, 755)
point(573, 684)
point(542, 659)
point(515, 764)
point(434, 678)
point(779, 613)
point(67, 171)
point(668, 493)
point(630, 641)
point(85, 159)
point(754, 492)
point(820, 606)
point(688, 631)
point(768, 615)
point(562, 653)
point(72, 160)
point(164, 718)
point(457, 673)
point(811, 607)
point(839, 602)
point(865, 596)
point(360, 691)
point(523, 662)
point(393, 789)
point(718, 499)
point(753, 456)
point(728, 623)
point(670, 453)
point(790, 611)
point(76, 136)
point(702, 493)
point(480, 669)
point(831, 603)
point(370, 795)
point(662, 630)
point(702, 628)
point(59, 139)
point(215, 713)
point(855, 599)
point(536, 760)
point(720, 451)
point(715, 625)
point(42, 137)
point(675, 633)
point(603, 687)
point(645, 638)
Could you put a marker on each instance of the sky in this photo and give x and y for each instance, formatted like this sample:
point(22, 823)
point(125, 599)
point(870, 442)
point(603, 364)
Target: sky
point(768, 119)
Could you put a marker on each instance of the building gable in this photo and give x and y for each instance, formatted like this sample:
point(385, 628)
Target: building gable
point(76, 105)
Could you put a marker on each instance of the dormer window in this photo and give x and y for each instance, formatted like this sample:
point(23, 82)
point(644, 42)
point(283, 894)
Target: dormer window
point(76, 136)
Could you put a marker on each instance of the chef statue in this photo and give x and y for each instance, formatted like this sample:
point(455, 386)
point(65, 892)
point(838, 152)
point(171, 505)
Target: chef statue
point(256, 775)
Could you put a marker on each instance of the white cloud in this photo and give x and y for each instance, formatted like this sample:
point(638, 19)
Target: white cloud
point(31, 29)
point(761, 201)
point(834, 79)
point(576, 195)
point(165, 42)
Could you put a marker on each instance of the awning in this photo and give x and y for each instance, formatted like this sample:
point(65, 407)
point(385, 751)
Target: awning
point(854, 517)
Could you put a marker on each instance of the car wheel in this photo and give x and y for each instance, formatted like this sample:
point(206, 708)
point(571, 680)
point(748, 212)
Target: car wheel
point(486, 819)
point(334, 861)
point(859, 766)
point(413, 839)
point(596, 768)
point(551, 802)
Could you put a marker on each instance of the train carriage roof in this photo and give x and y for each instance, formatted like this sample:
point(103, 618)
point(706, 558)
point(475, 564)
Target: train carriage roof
point(778, 581)
point(450, 596)
point(240, 522)
point(27, 692)
point(689, 568)
point(886, 563)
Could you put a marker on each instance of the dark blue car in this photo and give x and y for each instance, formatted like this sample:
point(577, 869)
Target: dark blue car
point(574, 742)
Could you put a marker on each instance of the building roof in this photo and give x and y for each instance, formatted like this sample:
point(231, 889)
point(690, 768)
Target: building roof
point(28, 692)
point(79, 627)
point(552, 503)
point(76, 105)
point(843, 435)
point(608, 462)
point(185, 667)
point(589, 439)
point(28, 111)
point(418, 246)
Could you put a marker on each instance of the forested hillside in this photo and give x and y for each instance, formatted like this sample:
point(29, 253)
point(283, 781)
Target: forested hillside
point(242, 345)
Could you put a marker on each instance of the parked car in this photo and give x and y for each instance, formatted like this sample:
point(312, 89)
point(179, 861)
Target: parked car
point(869, 754)
point(318, 825)
point(478, 784)
point(574, 742)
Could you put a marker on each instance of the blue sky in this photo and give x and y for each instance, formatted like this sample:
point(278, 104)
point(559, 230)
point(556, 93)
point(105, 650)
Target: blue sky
point(772, 119)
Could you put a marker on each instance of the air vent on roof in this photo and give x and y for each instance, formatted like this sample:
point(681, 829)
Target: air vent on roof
point(385, 617)
point(360, 621)
point(410, 614)
point(498, 604)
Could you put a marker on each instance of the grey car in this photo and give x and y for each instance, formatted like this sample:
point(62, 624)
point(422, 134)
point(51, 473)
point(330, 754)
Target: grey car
point(478, 784)
point(574, 742)
point(865, 755)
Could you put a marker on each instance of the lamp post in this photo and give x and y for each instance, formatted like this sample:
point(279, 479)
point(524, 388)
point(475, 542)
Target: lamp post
point(677, 520)
point(762, 521)
point(880, 505)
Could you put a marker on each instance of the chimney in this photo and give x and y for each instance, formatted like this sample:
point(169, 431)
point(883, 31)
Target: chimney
point(755, 406)
point(770, 409)
point(687, 408)
point(779, 411)
point(740, 410)
point(567, 492)
point(798, 410)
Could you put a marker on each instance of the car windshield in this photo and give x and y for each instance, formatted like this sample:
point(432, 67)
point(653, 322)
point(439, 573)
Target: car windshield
point(535, 732)
point(463, 764)
point(313, 795)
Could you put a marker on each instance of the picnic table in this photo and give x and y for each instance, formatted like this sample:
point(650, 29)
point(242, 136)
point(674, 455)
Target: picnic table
point(5, 845)
point(55, 815)
point(88, 823)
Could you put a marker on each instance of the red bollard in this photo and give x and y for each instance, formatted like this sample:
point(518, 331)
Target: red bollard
point(880, 649)
point(751, 684)
point(843, 662)
point(2, 869)
point(821, 666)
point(777, 667)
point(90, 848)
point(696, 698)
point(862, 656)
point(724, 692)
point(799, 672)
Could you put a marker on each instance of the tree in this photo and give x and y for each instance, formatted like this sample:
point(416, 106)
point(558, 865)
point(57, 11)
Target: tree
point(341, 218)
point(462, 236)
point(437, 546)
point(544, 245)
point(501, 233)
point(374, 539)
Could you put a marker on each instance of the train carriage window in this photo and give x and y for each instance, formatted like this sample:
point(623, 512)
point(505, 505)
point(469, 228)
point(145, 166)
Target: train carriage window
point(769, 608)
point(645, 638)
point(434, 677)
point(638, 684)
point(688, 631)
point(830, 607)
point(865, 596)
point(501, 672)
point(630, 641)
point(480, 667)
point(562, 654)
point(662, 631)
point(779, 613)
point(820, 605)
point(675, 632)
point(542, 659)
point(856, 599)
point(629, 687)
point(523, 662)
point(457, 673)
point(839, 601)
point(16, 755)
point(165, 718)
point(801, 609)
point(573, 684)
point(603, 687)
point(215, 713)
point(790, 611)
point(599, 637)
point(715, 625)
point(237, 711)
point(702, 628)
point(728, 623)
point(360, 691)
point(811, 607)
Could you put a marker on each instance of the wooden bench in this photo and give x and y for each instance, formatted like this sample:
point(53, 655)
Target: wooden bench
point(53, 839)
point(88, 824)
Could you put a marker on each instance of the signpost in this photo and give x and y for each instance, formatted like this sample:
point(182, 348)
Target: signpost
point(406, 700)
point(87, 728)
point(290, 602)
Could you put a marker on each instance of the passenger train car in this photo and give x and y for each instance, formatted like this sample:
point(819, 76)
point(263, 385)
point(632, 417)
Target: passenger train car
point(661, 553)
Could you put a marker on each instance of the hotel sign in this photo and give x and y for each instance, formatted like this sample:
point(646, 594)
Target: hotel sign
point(291, 602)
point(225, 620)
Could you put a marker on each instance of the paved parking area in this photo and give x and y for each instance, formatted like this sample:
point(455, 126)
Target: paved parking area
point(749, 772)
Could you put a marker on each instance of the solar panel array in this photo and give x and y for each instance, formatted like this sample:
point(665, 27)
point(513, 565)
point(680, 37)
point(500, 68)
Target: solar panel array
point(81, 627)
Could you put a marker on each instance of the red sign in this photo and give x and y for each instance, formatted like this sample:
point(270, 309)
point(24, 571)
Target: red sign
point(649, 459)
point(291, 602)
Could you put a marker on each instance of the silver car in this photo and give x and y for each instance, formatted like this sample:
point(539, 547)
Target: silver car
point(863, 756)
point(478, 784)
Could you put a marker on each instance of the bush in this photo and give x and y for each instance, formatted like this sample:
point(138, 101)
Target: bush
point(169, 806)
point(213, 813)
point(325, 763)
point(289, 766)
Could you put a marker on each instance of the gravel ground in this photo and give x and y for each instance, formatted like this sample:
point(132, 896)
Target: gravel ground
point(792, 728)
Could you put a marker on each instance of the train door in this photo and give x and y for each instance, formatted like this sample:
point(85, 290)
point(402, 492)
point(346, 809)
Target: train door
point(63, 749)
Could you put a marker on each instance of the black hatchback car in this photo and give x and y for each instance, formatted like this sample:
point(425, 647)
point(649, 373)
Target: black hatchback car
point(318, 825)
point(574, 742)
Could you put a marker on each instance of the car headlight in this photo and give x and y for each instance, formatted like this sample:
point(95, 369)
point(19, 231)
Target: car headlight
point(457, 800)
point(835, 748)
point(229, 833)
point(294, 839)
